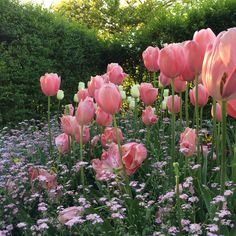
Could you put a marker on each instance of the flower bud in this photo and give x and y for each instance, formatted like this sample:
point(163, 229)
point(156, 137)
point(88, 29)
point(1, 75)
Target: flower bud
point(123, 94)
point(135, 91)
point(163, 104)
point(60, 94)
point(81, 85)
point(76, 98)
point(132, 105)
point(120, 87)
point(166, 93)
point(129, 98)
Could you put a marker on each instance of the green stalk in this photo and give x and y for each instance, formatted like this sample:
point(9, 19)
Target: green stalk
point(58, 113)
point(186, 104)
point(214, 129)
point(81, 155)
point(201, 112)
point(180, 113)
point(154, 80)
point(197, 120)
point(173, 123)
point(223, 142)
point(49, 126)
point(127, 187)
point(135, 113)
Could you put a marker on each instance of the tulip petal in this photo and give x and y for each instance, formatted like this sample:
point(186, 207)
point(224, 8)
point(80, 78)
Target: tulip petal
point(229, 91)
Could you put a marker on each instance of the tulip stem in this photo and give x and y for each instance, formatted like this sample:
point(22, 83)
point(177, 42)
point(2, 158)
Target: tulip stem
point(197, 120)
point(223, 157)
point(214, 141)
point(58, 109)
point(81, 155)
point(180, 112)
point(49, 126)
point(173, 122)
point(154, 80)
point(186, 104)
point(127, 187)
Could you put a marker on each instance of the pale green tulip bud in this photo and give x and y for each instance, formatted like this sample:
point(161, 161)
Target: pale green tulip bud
point(163, 104)
point(132, 105)
point(60, 94)
point(76, 98)
point(121, 88)
point(166, 93)
point(129, 98)
point(135, 91)
point(160, 85)
point(123, 94)
point(81, 85)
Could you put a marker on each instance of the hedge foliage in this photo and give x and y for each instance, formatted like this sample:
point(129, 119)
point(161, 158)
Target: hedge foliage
point(33, 42)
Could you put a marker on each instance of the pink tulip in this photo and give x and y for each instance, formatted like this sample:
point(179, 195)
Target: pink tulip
point(103, 118)
point(202, 95)
point(188, 142)
point(148, 116)
point(95, 140)
point(231, 108)
point(148, 93)
point(150, 58)
point(194, 56)
point(108, 98)
point(164, 80)
point(69, 108)
point(110, 161)
point(176, 103)
point(50, 84)
point(218, 112)
point(86, 135)
point(219, 67)
point(94, 84)
point(85, 111)
point(47, 179)
point(105, 77)
point(204, 37)
point(69, 213)
point(115, 73)
point(133, 155)
point(179, 84)
point(205, 150)
point(172, 60)
point(82, 94)
point(69, 124)
point(61, 142)
point(109, 136)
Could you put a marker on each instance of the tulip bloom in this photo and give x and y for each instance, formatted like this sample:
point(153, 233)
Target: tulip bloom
point(85, 111)
point(103, 118)
point(62, 143)
point(69, 213)
point(109, 136)
point(94, 84)
point(164, 80)
point(69, 110)
point(148, 93)
point(133, 155)
point(110, 161)
point(69, 124)
point(86, 134)
point(108, 98)
point(148, 116)
point(219, 67)
point(176, 104)
point(188, 142)
point(115, 73)
point(172, 60)
point(47, 178)
point(82, 94)
point(218, 112)
point(202, 96)
point(179, 84)
point(150, 58)
point(231, 108)
point(50, 84)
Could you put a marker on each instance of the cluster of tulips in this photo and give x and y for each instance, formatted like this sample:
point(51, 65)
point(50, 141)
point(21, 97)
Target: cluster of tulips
point(207, 61)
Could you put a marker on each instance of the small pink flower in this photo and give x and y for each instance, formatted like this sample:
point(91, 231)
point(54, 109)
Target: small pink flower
point(150, 58)
point(95, 140)
point(69, 110)
point(82, 94)
point(115, 73)
point(179, 84)
point(148, 116)
point(176, 103)
point(148, 93)
point(164, 80)
point(69, 213)
point(50, 84)
point(69, 124)
point(61, 142)
point(109, 136)
point(188, 142)
point(103, 118)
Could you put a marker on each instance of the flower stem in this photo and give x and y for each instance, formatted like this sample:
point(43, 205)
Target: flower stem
point(173, 122)
point(186, 104)
point(127, 187)
point(81, 155)
point(223, 157)
point(197, 120)
point(214, 140)
point(49, 126)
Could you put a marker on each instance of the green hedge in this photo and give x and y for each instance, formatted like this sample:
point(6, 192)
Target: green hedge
point(34, 41)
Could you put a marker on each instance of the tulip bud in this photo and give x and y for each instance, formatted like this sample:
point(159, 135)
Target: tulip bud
point(120, 87)
point(166, 93)
point(163, 104)
point(135, 91)
point(129, 98)
point(76, 98)
point(60, 94)
point(132, 105)
point(160, 85)
point(123, 94)
point(81, 85)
